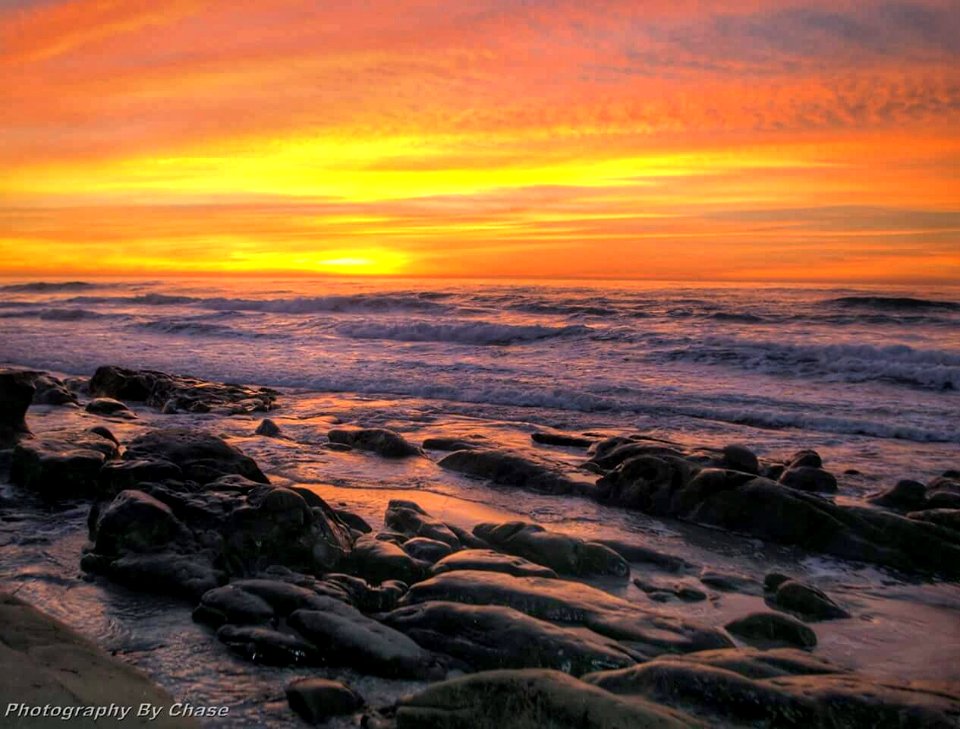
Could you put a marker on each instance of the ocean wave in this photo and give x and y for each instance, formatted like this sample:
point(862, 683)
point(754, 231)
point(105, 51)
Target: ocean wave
point(44, 287)
point(54, 314)
point(482, 333)
point(895, 364)
point(199, 328)
point(894, 302)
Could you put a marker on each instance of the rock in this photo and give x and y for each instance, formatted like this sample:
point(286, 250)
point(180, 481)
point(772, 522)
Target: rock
point(137, 522)
point(426, 550)
point(561, 439)
point(381, 441)
point(368, 599)
point(16, 394)
point(740, 458)
point(943, 493)
point(773, 629)
point(115, 476)
point(268, 428)
point(317, 699)
point(165, 573)
point(110, 407)
point(176, 393)
point(560, 601)
point(678, 590)
point(559, 552)
point(806, 458)
point(452, 444)
point(806, 601)
point(284, 597)
point(377, 561)
point(949, 518)
point(268, 646)
point(776, 689)
point(529, 699)
point(407, 518)
point(907, 495)
point(633, 552)
point(773, 580)
point(356, 522)
point(201, 457)
point(349, 638)
point(510, 469)
point(490, 561)
point(51, 391)
point(613, 453)
point(63, 467)
point(488, 637)
point(730, 582)
point(806, 478)
point(104, 432)
point(761, 508)
point(229, 604)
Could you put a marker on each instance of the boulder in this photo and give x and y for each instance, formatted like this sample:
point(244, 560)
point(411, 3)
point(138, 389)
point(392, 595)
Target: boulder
point(115, 476)
point(268, 428)
point(202, 457)
point(559, 552)
point(177, 393)
point(488, 636)
point(806, 478)
point(634, 552)
point(949, 518)
point(649, 631)
point(317, 699)
point(426, 550)
point(269, 646)
point(740, 458)
point(230, 604)
point(452, 444)
point(906, 495)
point(730, 582)
point(805, 458)
point(510, 469)
point(407, 518)
point(488, 560)
point(164, 573)
point(110, 407)
point(530, 699)
point(51, 391)
point(67, 466)
point(805, 601)
point(381, 441)
point(772, 629)
point(378, 561)
point(565, 440)
point(137, 522)
point(346, 637)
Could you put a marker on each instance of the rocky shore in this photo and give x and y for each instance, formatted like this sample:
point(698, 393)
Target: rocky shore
point(507, 623)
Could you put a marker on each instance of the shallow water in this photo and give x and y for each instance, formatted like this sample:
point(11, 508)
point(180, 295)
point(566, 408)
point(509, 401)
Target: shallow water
point(871, 383)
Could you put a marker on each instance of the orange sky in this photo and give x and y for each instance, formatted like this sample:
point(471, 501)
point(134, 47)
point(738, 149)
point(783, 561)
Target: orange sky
point(660, 139)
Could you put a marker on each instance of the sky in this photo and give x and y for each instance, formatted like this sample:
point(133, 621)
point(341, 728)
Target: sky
point(664, 139)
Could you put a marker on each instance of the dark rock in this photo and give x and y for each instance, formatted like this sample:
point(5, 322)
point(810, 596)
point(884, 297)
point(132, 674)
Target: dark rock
point(529, 699)
point(773, 580)
point(949, 518)
point(678, 590)
point(381, 441)
point(317, 699)
point(426, 550)
point(489, 561)
point(349, 638)
point(740, 458)
point(773, 629)
point(806, 478)
point(806, 601)
point(165, 573)
point(109, 406)
point(104, 432)
point(137, 522)
point(609, 455)
point(51, 391)
point(230, 604)
point(488, 637)
point(561, 439)
point(377, 561)
point(562, 553)
point(268, 428)
point(201, 457)
point(730, 582)
point(646, 482)
point(907, 495)
point(368, 599)
point(806, 458)
point(732, 690)
point(561, 601)
point(16, 394)
point(176, 393)
point(285, 597)
point(633, 552)
point(510, 469)
point(115, 476)
point(268, 646)
point(65, 467)
point(407, 518)
point(356, 522)
point(452, 444)
point(943, 493)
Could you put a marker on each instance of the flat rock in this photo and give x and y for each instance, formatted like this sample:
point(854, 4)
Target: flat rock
point(489, 637)
point(511, 469)
point(426, 550)
point(530, 699)
point(488, 560)
point(110, 407)
point(566, 440)
point(646, 630)
point(773, 629)
point(805, 601)
point(269, 646)
point(562, 553)
point(67, 466)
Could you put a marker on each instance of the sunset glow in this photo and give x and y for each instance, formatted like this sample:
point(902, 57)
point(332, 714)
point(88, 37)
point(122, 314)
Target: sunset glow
point(807, 141)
